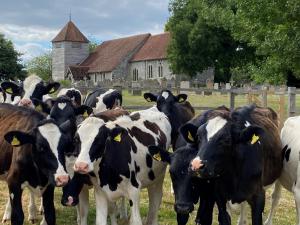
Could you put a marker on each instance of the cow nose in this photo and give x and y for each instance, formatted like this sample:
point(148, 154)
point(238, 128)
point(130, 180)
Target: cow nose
point(183, 208)
point(81, 167)
point(196, 164)
point(62, 180)
point(26, 102)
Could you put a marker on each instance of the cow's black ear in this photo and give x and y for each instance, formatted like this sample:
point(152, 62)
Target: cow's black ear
point(41, 106)
point(52, 87)
point(189, 133)
point(117, 134)
point(150, 97)
point(181, 98)
point(252, 135)
point(83, 110)
point(159, 154)
point(18, 138)
point(11, 88)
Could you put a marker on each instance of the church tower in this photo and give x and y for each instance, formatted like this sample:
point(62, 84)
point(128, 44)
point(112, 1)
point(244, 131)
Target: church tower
point(69, 47)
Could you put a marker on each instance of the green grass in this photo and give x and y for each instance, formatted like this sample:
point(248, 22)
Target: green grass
point(285, 214)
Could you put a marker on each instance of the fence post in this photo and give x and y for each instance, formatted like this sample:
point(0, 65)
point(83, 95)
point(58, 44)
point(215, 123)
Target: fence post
point(264, 97)
point(292, 101)
point(281, 109)
point(232, 99)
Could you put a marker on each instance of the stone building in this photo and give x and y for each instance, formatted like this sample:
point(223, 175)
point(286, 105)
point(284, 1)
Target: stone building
point(135, 58)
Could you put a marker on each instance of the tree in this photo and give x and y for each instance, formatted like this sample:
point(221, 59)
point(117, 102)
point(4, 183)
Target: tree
point(41, 66)
point(10, 66)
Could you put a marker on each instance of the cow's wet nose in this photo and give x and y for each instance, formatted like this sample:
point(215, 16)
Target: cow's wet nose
point(197, 164)
point(81, 167)
point(183, 208)
point(26, 102)
point(62, 180)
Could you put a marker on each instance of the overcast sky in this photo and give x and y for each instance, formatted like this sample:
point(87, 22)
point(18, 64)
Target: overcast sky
point(32, 24)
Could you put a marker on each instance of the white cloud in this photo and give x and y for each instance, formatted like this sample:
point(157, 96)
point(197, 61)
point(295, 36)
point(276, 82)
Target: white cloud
point(30, 50)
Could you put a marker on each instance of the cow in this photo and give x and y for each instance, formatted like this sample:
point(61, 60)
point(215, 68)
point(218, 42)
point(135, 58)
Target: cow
point(176, 108)
point(116, 157)
point(242, 152)
point(33, 88)
point(34, 158)
point(73, 94)
point(289, 177)
point(101, 100)
point(10, 92)
point(187, 188)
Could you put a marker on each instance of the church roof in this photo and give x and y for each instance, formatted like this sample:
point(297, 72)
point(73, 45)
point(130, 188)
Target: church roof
point(108, 55)
point(70, 33)
point(155, 48)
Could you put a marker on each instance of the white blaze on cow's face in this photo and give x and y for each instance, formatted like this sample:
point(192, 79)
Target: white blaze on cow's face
point(214, 126)
point(165, 94)
point(29, 86)
point(100, 106)
point(87, 132)
point(52, 134)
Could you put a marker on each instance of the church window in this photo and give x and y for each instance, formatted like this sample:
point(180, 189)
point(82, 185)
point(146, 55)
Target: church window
point(160, 70)
point(135, 74)
point(150, 72)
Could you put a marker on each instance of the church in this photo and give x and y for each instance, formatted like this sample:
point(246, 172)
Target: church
point(134, 58)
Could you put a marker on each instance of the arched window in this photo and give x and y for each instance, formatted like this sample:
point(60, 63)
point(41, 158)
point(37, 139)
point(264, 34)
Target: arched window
point(150, 72)
point(135, 75)
point(160, 70)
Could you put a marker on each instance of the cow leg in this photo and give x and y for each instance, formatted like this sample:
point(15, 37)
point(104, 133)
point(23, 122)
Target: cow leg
point(32, 210)
point(83, 207)
point(223, 216)
point(182, 219)
point(112, 209)
point(48, 204)
point(101, 207)
point(242, 220)
point(205, 210)
point(257, 204)
point(134, 196)
point(7, 212)
point(17, 214)
point(275, 200)
point(41, 208)
point(155, 193)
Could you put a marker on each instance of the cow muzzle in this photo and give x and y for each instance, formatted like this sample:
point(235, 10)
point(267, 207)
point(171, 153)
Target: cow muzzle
point(69, 201)
point(26, 103)
point(183, 208)
point(62, 180)
point(81, 167)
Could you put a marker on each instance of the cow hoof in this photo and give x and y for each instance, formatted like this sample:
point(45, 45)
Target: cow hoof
point(6, 219)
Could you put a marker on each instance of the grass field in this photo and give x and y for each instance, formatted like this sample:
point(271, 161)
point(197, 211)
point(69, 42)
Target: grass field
point(285, 214)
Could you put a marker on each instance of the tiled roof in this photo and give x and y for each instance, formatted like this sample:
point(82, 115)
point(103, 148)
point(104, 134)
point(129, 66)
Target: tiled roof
point(79, 72)
point(155, 48)
point(70, 33)
point(108, 55)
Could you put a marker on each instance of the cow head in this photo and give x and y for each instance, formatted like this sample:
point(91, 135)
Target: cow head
point(35, 88)
point(183, 182)
point(224, 146)
point(11, 92)
point(108, 100)
point(48, 143)
point(73, 94)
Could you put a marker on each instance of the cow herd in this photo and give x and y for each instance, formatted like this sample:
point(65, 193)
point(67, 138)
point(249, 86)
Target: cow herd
point(220, 157)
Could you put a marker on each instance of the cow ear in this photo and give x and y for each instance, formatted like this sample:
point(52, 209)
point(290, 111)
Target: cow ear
point(41, 106)
point(252, 135)
point(181, 98)
point(117, 134)
point(18, 138)
point(150, 97)
point(52, 87)
point(159, 154)
point(11, 88)
point(189, 133)
point(83, 110)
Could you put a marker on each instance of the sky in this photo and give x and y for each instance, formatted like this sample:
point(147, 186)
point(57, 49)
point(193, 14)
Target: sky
point(32, 24)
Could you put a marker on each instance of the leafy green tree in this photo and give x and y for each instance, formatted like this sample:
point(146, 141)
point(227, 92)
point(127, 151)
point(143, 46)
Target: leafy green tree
point(41, 66)
point(10, 66)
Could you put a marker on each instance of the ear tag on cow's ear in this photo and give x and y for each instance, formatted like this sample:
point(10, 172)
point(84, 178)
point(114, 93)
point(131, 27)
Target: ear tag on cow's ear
point(9, 90)
point(15, 141)
point(157, 157)
point(52, 90)
point(254, 139)
point(85, 114)
point(190, 137)
point(39, 108)
point(118, 138)
point(148, 99)
point(181, 100)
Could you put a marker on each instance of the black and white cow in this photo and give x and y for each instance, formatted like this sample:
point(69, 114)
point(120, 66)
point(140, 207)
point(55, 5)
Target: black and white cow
point(34, 88)
point(11, 92)
point(35, 160)
point(242, 152)
point(116, 153)
point(101, 100)
point(289, 177)
point(73, 93)
point(176, 108)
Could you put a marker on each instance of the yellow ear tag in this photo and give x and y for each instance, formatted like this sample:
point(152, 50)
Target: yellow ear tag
point(118, 138)
point(39, 108)
point(254, 139)
point(85, 114)
point(148, 99)
point(15, 142)
point(9, 90)
point(181, 100)
point(157, 157)
point(52, 90)
point(190, 137)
